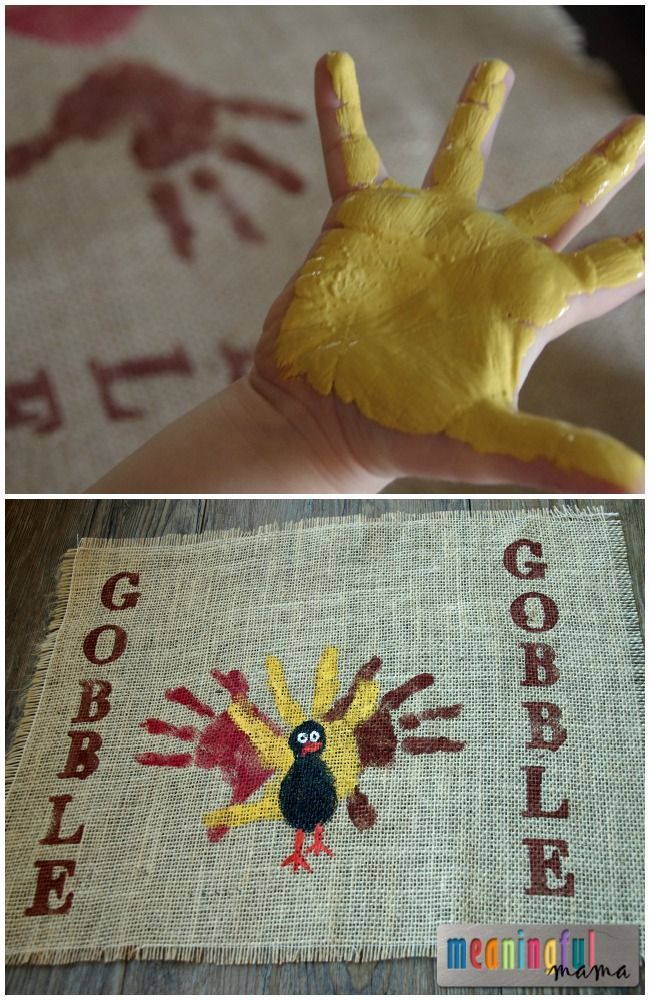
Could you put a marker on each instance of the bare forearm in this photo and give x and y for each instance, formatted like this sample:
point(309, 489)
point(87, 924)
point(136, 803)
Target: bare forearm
point(238, 442)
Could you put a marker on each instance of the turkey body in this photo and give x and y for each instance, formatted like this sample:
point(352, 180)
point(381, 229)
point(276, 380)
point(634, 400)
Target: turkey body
point(308, 793)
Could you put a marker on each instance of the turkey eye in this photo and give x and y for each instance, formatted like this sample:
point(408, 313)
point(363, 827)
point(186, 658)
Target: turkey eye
point(314, 736)
point(302, 737)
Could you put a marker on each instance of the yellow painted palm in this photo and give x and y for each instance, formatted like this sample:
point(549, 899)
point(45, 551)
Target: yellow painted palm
point(426, 310)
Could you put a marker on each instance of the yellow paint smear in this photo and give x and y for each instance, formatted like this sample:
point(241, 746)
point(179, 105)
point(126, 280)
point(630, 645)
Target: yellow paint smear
point(273, 750)
point(420, 307)
point(543, 213)
point(267, 807)
point(459, 162)
point(288, 708)
point(360, 156)
point(363, 704)
point(326, 682)
point(341, 756)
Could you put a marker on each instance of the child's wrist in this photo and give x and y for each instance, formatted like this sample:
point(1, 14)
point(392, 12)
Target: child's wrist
point(314, 459)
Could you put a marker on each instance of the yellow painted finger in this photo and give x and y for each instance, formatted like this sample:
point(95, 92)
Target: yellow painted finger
point(567, 447)
point(247, 812)
point(361, 160)
point(610, 263)
point(288, 708)
point(341, 755)
point(543, 213)
point(363, 704)
point(459, 164)
point(273, 750)
point(326, 682)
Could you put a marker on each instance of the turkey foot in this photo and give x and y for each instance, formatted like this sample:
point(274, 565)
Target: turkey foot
point(297, 859)
point(319, 846)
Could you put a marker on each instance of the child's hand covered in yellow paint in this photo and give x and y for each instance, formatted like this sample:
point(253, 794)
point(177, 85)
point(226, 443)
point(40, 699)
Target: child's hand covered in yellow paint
point(408, 332)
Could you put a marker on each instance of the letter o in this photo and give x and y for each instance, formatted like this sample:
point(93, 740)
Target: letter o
point(91, 640)
point(520, 618)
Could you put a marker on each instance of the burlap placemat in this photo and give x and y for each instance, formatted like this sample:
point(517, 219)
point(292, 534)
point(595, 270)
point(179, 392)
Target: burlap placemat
point(142, 255)
point(487, 760)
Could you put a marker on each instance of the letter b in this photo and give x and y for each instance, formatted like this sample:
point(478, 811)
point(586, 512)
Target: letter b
point(82, 756)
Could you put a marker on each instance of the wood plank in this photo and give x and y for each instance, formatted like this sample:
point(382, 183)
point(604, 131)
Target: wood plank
point(103, 978)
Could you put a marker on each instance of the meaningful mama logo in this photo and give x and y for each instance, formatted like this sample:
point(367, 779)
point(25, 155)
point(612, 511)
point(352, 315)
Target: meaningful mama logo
point(510, 955)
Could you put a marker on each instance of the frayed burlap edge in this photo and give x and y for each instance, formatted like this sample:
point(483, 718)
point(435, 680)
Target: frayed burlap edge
point(44, 657)
point(280, 953)
point(631, 616)
point(250, 954)
point(305, 524)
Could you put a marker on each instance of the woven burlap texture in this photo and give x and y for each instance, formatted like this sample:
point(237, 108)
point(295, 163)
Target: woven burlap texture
point(425, 593)
point(92, 275)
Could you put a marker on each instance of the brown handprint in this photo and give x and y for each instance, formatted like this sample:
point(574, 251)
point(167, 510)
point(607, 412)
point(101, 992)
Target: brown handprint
point(170, 122)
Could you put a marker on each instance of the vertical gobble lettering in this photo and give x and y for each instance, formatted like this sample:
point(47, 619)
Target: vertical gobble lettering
point(519, 612)
point(540, 669)
point(533, 570)
point(91, 640)
point(540, 864)
point(95, 693)
point(544, 715)
point(49, 882)
point(82, 757)
point(129, 598)
point(534, 808)
point(53, 835)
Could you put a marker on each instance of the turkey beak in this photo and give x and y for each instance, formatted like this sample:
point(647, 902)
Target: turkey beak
point(311, 748)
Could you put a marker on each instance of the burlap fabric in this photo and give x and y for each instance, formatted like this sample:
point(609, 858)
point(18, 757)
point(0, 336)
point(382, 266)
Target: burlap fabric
point(428, 595)
point(117, 322)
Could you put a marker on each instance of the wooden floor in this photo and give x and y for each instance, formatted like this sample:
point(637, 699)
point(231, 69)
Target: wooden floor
point(38, 532)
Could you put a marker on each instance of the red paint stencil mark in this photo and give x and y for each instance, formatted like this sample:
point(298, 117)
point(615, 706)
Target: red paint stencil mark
point(169, 122)
point(166, 201)
point(416, 745)
point(207, 181)
point(175, 363)
point(157, 727)
point(238, 360)
point(64, 25)
point(233, 682)
point(165, 759)
point(44, 413)
point(412, 721)
point(183, 696)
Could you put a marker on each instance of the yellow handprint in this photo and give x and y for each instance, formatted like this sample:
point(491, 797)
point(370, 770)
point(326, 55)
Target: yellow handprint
point(426, 311)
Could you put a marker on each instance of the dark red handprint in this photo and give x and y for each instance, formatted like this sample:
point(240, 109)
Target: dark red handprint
point(70, 25)
point(170, 122)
